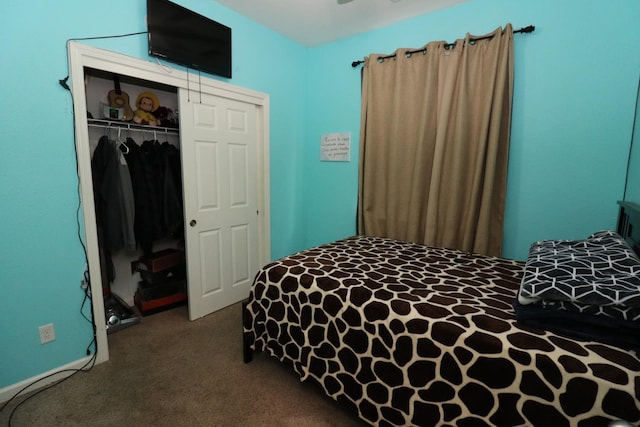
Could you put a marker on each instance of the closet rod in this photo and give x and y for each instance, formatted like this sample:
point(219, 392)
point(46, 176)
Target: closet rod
point(527, 29)
point(130, 126)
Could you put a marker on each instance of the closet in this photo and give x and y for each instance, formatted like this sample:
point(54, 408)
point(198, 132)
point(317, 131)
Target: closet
point(222, 136)
point(137, 182)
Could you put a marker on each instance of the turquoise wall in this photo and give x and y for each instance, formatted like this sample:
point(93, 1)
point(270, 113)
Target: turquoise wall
point(41, 258)
point(573, 106)
point(576, 79)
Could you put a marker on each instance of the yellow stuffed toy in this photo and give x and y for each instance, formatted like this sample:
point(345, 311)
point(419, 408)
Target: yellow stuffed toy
point(147, 103)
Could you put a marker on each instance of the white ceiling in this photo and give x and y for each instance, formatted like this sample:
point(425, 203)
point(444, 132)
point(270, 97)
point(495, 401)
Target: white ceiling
point(315, 22)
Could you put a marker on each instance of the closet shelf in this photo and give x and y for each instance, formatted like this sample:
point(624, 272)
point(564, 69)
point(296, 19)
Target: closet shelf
point(105, 124)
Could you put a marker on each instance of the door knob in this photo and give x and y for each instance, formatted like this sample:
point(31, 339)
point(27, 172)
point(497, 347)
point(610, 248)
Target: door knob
point(192, 223)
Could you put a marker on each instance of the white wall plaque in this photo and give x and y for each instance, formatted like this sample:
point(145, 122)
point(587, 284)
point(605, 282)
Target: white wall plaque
point(335, 147)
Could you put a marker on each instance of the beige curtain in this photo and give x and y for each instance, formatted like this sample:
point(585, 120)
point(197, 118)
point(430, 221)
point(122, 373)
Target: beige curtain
point(434, 142)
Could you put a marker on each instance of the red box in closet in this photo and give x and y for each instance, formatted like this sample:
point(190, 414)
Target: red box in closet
point(163, 284)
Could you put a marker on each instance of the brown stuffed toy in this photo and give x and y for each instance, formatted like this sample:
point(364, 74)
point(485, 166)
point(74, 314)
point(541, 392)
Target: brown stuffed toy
point(147, 103)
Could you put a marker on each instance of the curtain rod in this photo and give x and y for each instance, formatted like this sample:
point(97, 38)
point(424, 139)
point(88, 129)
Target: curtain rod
point(527, 29)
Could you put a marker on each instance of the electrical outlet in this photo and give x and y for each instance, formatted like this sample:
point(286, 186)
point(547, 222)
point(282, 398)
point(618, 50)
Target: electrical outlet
point(47, 333)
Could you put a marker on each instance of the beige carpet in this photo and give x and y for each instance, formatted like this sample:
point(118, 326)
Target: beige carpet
point(168, 371)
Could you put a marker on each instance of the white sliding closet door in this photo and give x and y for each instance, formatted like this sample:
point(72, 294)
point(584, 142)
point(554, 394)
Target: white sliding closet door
point(220, 180)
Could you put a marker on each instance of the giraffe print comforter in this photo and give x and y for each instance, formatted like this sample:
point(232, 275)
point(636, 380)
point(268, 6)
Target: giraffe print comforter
point(406, 334)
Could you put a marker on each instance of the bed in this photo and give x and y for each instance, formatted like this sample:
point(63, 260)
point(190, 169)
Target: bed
point(406, 334)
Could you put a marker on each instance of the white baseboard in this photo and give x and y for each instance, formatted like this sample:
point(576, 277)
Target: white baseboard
point(43, 379)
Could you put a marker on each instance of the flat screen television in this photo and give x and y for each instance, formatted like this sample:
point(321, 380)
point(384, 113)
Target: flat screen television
point(184, 37)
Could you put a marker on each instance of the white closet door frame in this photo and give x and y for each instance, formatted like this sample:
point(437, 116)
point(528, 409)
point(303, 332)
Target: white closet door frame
point(81, 56)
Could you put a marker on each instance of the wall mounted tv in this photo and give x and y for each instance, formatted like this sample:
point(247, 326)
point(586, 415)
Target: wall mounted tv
point(184, 37)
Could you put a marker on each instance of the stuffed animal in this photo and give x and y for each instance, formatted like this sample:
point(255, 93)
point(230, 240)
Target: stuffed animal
point(147, 103)
point(165, 117)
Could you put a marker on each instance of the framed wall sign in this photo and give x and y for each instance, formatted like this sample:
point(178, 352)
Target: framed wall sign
point(335, 147)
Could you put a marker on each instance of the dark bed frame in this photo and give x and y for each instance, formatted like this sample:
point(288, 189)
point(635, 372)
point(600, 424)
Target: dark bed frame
point(629, 224)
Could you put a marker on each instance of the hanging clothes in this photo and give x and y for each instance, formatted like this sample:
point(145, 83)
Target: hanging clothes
point(113, 195)
point(127, 209)
point(156, 180)
point(172, 207)
point(142, 183)
point(114, 200)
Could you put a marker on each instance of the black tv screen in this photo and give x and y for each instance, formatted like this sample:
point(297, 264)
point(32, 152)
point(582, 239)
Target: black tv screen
point(184, 37)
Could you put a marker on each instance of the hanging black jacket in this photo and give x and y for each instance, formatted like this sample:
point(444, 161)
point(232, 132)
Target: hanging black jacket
point(157, 192)
point(107, 194)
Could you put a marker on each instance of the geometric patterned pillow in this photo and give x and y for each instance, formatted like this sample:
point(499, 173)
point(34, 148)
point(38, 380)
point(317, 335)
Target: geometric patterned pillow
point(601, 270)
